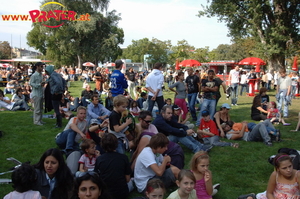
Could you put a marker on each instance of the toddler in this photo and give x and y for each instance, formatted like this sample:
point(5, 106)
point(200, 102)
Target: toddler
point(274, 114)
point(88, 159)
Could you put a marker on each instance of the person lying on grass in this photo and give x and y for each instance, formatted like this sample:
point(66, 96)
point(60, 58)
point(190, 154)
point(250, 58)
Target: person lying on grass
point(258, 132)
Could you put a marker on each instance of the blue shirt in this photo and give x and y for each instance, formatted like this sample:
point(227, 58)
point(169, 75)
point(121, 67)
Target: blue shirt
point(94, 111)
point(118, 83)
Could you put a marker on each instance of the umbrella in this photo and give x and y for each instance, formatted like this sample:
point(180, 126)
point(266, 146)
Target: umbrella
point(5, 66)
point(295, 64)
point(253, 61)
point(189, 62)
point(90, 64)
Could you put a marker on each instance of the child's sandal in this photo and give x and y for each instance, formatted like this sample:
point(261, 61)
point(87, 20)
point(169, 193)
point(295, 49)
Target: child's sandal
point(235, 145)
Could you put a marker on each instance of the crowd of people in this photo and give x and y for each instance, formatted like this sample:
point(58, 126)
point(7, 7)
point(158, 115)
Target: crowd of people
point(136, 118)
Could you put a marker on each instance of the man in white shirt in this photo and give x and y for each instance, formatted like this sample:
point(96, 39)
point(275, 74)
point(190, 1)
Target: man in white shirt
point(154, 83)
point(234, 76)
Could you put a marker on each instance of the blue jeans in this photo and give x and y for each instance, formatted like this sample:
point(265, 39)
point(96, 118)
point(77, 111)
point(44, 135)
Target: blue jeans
point(192, 101)
point(215, 141)
point(259, 133)
point(234, 93)
point(121, 147)
point(209, 105)
point(66, 140)
point(187, 141)
point(283, 100)
point(243, 86)
point(159, 100)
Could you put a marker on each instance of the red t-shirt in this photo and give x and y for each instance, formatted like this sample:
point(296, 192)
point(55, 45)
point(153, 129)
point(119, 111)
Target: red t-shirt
point(211, 125)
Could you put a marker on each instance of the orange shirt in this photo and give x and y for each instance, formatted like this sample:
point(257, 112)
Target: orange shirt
point(238, 127)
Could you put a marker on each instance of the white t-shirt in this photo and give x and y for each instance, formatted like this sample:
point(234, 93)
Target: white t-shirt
point(6, 105)
point(234, 76)
point(25, 195)
point(142, 170)
point(82, 125)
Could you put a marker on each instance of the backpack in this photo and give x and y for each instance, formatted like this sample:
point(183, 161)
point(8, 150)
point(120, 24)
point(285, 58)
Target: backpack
point(293, 153)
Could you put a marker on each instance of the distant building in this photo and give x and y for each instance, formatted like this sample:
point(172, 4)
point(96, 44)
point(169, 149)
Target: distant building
point(22, 52)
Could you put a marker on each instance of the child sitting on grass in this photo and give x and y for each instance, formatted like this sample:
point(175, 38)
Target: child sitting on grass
point(115, 127)
point(23, 179)
point(274, 114)
point(209, 132)
point(88, 159)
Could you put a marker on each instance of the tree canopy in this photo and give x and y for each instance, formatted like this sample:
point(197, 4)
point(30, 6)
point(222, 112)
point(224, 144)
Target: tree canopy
point(5, 50)
point(273, 24)
point(95, 39)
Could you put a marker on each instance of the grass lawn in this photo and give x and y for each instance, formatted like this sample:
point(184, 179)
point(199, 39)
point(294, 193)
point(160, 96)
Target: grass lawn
point(239, 171)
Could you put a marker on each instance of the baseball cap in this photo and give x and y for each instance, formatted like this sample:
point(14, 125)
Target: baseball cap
point(175, 107)
point(225, 105)
point(94, 121)
point(204, 113)
point(118, 63)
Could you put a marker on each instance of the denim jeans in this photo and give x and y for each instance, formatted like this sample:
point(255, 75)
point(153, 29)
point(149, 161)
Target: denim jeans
point(243, 87)
point(259, 133)
point(209, 105)
point(66, 140)
point(234, 93)
point(192, 101)
point(121, 147)
point(187, 141)
point(215, 141)
point(283, 100)
point(159, 100)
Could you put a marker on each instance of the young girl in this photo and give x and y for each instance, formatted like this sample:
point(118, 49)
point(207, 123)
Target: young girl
point(186, 183)
point(283, 182)
point(274, 114)
point(200, 167)
point(155, 189)
point(23, 179)
point(109, 101)
point(134, 109)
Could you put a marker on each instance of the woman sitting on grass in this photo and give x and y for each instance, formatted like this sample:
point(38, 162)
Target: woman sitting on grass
point(221, 117)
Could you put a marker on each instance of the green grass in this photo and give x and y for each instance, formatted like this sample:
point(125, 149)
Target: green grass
point(239, 171)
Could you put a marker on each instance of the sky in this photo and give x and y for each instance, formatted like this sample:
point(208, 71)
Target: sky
point(173, 20)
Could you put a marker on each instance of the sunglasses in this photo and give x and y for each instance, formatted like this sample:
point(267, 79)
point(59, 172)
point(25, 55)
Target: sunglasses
point(148, 121)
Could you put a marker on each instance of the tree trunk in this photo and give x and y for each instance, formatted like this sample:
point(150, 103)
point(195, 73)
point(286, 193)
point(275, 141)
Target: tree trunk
point(276, 62)
point(79, 62)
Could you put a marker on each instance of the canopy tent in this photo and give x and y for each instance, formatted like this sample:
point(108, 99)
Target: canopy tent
point(253, 61)
point(189, 63)
point(25, 60)
point(89, 64)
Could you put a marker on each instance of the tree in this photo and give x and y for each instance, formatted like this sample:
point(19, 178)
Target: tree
point(5, 50)
point(271, 23)
point(92, 40)
point(156, 50)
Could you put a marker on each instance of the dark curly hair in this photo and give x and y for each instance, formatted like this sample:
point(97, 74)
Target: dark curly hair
point(23, 178)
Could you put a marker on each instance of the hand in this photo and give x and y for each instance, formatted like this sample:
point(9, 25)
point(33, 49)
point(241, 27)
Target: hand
point(153, 98)
point(105, 123)
point(207, 176)
point(129, 121)
point(190, 132)
point(222, 134)
point(83, 135)
point(97, 153)
point(167, 158)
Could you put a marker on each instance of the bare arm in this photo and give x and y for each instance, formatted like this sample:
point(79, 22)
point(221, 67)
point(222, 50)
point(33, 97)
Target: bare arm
point(208, 182)
point(119, 128)
point(217, 119)
point(271, 186)
point(159, 170)
point(77, 130)
point(261, 109)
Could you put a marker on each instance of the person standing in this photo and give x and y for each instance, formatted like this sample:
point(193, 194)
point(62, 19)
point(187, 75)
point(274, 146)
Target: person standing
point(234, 76)
point(131, 82)
point(118, 80)
point(57, 88)
point(154, 83)
point(99, 81)
point(193, 87)
point(283, 91)
point(270, 78)
point(36, 82)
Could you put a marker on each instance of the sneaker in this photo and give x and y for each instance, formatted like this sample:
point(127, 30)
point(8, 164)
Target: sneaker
point(216, 186)
point(236, 105)
point(232, 104)
point(268, 143)
point(42, 122)
point(39, 124)
point(247, 195)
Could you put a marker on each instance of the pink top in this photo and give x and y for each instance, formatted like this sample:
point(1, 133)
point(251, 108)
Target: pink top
point(201, 189)
point(273, 112)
